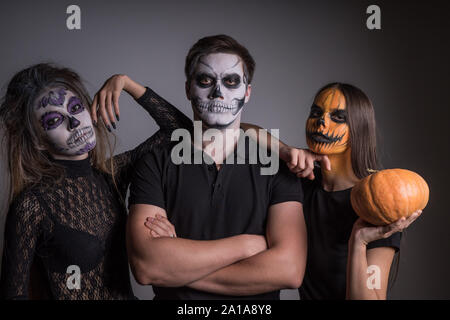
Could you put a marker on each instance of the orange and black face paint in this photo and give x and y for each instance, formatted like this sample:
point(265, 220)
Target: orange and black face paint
point(327, 130)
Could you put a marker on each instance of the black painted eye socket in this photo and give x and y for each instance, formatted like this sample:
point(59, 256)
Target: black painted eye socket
point(339, 116)
point(204, 81)
point(232, 81)
point(315, 112)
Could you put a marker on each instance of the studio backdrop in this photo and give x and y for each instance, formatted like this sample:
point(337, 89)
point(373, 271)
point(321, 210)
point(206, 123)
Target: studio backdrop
point(298, 46)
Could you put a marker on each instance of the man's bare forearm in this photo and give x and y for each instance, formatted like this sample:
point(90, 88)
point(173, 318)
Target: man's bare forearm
point(281, 266)
point(173, 262)
point(267, 271)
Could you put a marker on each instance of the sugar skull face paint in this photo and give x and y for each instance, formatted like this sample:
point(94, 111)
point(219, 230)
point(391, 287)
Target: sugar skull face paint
point(218, 89)
point(65, 121)
point(327, 130)
point(55, 97)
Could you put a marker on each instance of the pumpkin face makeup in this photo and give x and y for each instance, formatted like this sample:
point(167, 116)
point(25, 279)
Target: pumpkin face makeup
point(327, 130)
point(65, 122)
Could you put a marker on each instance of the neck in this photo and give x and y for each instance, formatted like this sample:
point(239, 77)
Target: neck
point(341, 176)
point(73, 158)
point(221, 141)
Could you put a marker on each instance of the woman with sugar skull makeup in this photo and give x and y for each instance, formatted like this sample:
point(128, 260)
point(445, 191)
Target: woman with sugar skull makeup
point(67, 207)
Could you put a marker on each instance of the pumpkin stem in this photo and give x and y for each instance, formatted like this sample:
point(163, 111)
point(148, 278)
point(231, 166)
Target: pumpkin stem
point(372, 170)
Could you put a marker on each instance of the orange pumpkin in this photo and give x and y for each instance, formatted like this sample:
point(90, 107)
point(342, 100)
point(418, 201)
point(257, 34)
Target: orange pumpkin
point(388, 195)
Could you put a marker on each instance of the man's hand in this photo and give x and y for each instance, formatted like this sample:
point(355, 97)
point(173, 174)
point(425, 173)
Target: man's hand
point(301, 161)
point(160, 226)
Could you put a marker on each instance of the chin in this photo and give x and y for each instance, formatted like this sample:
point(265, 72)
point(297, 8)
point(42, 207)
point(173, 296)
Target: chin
point(325, 149)
point(90, 145)
point(217, 121)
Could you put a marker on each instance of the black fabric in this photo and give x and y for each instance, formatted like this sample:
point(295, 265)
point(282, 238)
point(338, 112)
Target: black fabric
point(329, 219)
point(204, 203)
point(79, 220)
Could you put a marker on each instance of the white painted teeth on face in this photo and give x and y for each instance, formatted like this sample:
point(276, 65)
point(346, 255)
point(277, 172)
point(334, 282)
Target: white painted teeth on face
point(80, 136)
point(216, 107)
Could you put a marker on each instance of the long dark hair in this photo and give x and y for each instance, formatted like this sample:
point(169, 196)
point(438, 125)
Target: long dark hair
point(363, 140)
point(362, 128)
point(28, 157)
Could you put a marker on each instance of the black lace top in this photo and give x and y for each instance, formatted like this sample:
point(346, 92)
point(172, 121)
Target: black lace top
point(78, 223)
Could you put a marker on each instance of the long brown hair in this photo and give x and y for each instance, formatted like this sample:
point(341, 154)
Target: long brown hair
point(363, 140)
point(362, 128)
point(29, 161)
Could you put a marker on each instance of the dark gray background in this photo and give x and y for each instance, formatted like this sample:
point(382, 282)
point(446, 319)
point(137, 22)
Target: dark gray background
point(298, 47)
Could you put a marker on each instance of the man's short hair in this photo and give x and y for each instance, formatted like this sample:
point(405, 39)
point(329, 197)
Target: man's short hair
point(219, 44)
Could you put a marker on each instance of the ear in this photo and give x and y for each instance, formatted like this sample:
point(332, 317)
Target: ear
point(186, 87)
point(248, 92)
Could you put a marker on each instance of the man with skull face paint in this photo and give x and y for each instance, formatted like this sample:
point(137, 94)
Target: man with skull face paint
point(219, 90)
point(191, 232)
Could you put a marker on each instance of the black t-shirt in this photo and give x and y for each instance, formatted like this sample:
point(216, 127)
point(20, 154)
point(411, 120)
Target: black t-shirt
point(204, 203)
point(329, 219)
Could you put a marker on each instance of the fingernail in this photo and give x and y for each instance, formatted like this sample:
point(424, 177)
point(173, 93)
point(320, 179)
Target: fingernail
point(117, 117)
point(114, 125)
point(108, 127)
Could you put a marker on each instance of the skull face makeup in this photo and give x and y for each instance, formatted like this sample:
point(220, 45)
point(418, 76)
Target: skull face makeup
point(218, 89)
point(327, 130)
point(65, 121)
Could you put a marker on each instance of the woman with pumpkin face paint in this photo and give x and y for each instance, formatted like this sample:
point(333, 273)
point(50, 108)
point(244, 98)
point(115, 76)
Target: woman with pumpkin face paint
point(65, 229)
point(347, 257)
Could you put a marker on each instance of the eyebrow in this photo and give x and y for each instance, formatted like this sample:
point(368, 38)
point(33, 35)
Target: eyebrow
point(45, 101)
point(44, 104)
point(339, 111)
point(235, 74)
point(206, 74)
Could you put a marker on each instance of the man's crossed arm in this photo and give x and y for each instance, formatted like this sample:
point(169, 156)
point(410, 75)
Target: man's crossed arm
point(238, 265)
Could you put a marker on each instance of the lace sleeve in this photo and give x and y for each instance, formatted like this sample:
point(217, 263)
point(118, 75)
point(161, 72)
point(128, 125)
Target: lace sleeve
point(23, 229)
point(165, 114)
point(167, 117)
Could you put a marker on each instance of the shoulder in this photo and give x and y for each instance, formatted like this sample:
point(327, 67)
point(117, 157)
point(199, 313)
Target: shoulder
point(286, 186)
point(158, 153)
point(285, 174)
point(154, 161)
